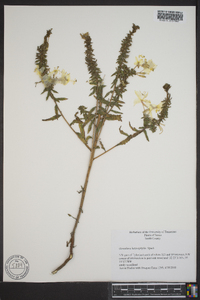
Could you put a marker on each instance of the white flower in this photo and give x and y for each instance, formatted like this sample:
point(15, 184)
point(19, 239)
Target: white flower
point(52, 78)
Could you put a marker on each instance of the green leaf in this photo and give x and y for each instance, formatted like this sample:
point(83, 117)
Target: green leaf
point(102, 100)
point(102, 146)
point(99, 126)
point(145, 132)
point(120, 101)
point(113, 117)
point(45, 90)
point(94, 88)
point(82, 109)
point(88, 137)
point(56, 110)
point(82, 131)
point(60, 99)
point(49, 93)
point(52, 118)
point(92, 109)
point(101, 111)
point(125, 141)
point(107, 94)
point(116, 112)
point(81, 137)
point(122, 132)
point(133, 128)
point(90, 125)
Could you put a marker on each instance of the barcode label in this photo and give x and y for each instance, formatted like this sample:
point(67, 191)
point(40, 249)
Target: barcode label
point(169, 16)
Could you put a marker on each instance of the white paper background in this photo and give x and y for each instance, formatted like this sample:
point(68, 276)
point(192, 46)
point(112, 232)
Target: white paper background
point(138, 186)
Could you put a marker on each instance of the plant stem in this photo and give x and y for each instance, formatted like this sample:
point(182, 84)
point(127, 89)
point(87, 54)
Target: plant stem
point(52, 96)
point(72, 239)
point(120, 143)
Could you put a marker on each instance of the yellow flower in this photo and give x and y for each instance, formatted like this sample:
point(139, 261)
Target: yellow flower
point(139, 60)
point(151, 108)
point(141, 98)
point(39, 71)
point(148, 66)
point(52, 78)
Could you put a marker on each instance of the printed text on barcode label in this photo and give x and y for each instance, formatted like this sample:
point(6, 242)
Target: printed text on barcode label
point(169, 16)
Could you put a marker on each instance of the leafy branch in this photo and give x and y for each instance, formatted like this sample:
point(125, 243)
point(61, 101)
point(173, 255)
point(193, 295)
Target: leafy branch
point(90, 121)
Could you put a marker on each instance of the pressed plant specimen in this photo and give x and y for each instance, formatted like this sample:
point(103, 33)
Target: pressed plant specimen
point(87, 124)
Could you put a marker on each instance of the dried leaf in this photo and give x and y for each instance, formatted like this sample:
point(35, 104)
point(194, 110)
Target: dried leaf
point(82, 131)
point(48, 94)
point(102, 146)
point(113, 117)
point(133, 128)
point(122, 132)
point(145, 132)
point(90, 125)
point(125, 141)
point(88, 137)
point(116, 112)
point(45, 90)
point(52, 118)
point(60, 99)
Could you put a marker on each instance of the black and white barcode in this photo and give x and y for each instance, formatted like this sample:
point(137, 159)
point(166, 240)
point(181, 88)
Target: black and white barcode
point(169, 16)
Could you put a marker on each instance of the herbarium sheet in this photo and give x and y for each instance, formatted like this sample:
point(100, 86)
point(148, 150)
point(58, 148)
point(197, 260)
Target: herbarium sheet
point(100, 143)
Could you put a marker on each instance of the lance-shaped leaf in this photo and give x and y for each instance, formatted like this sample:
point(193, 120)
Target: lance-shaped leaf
point(113, 117)
point(90, 125)
point(133, 128)
point(56, 110)
point(52, 118)
point(60, 99)
point(87, 138)
point(125, 141)
point(48, 94)
point(45, 90)
point(116, 112)
point(145, 132)
point(102, 146)
point(122, 132)
point(82, 131)
point(99, 126)
point(76, 120)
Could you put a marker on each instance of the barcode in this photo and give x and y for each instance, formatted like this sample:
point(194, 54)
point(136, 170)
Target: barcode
point(169, 16)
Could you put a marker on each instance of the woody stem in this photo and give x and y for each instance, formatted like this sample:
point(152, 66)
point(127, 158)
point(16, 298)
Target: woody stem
point(72, 239)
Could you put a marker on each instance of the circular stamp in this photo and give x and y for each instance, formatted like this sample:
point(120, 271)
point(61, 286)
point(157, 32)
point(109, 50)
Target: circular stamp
point(17, 267)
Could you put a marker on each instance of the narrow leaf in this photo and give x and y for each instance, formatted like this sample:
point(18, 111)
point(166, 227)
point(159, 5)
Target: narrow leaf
point(102, 146)
point(99, 126)
point(113, 117)
point(61, 99)
point(116, 112)
point(145, 132)
point(82, 130)
point(88, 137)
point(90, 125)
point(45, 90)
point(107, 94)
point(125, 141)
point(133, 128)
point(48, 95)
point(52, 118)
point(122, 132)
point(102, 100)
